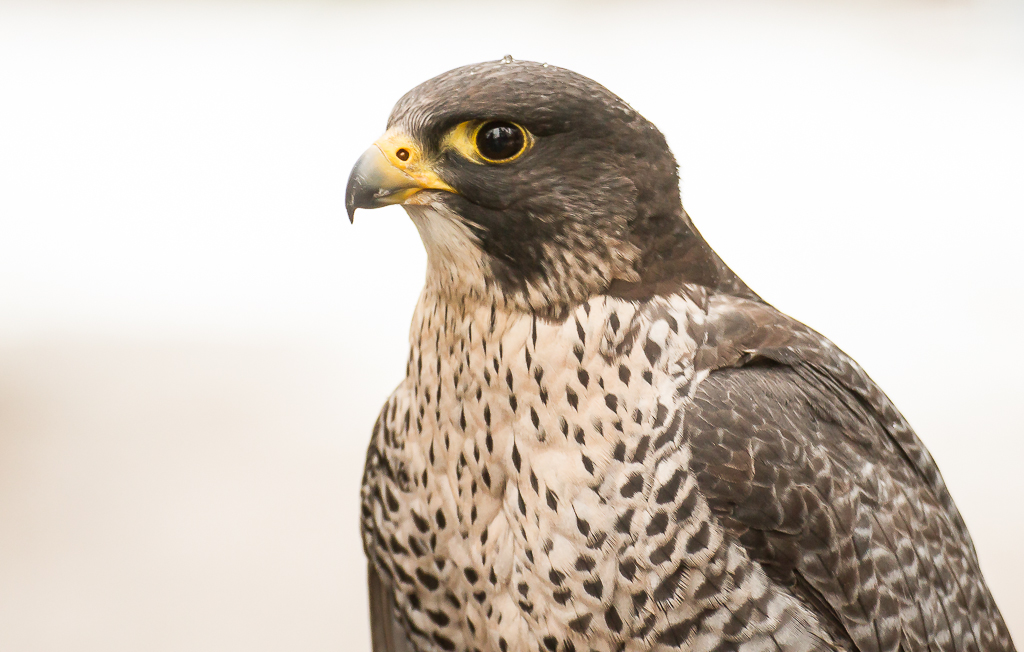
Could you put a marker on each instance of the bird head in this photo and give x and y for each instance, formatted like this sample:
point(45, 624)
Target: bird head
point(533, 186)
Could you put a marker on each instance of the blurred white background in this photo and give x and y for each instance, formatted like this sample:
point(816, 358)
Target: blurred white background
point(194, 342)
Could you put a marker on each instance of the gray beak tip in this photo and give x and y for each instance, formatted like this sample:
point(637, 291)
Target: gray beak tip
point(359, 192)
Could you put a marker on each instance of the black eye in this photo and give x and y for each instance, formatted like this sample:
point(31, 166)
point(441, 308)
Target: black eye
point(500, 141)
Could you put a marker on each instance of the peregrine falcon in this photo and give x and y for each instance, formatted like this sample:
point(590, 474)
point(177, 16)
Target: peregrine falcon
point(605, 441)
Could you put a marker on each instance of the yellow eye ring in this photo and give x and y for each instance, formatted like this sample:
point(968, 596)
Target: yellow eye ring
point(497, 141)
point(493, 142)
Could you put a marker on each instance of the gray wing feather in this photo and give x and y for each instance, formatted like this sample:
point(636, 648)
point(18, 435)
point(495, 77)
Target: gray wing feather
point(386, 632)
point(809, 466)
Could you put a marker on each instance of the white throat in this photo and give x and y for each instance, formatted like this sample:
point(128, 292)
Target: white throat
point(455, 265)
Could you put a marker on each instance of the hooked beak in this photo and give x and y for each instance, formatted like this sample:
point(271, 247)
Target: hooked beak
point(391, 171)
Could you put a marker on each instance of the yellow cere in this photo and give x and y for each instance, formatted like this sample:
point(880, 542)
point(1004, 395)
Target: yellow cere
point(404, 153)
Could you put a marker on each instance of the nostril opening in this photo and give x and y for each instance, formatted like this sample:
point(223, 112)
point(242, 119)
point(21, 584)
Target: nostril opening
point(402, 154)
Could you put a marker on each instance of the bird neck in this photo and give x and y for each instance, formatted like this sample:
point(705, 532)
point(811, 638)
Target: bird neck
point(674, 256)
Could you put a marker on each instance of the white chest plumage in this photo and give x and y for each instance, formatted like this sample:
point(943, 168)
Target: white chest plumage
point(524, 478)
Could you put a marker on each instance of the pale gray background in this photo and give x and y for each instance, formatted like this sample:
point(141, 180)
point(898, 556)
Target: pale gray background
point(194, 342)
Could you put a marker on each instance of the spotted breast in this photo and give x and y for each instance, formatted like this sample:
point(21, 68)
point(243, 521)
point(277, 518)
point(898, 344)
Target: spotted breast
point(527, 488)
